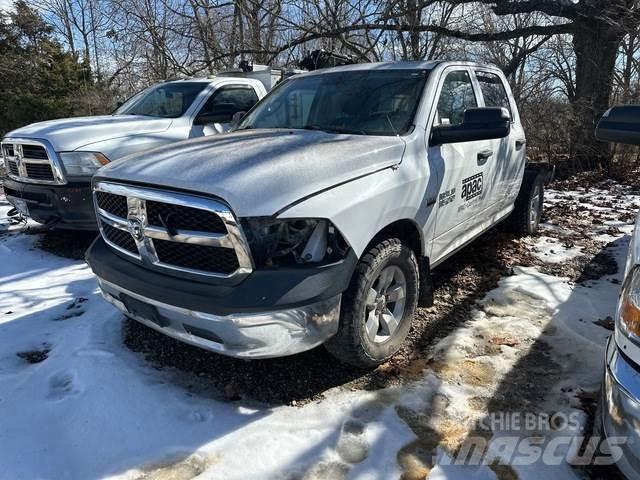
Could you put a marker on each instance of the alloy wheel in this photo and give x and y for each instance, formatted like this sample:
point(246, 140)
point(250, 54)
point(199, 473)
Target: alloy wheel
point(385, 304)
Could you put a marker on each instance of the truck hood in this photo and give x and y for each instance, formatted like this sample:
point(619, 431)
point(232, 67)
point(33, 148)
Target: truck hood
point(259, 172)
point(69, 134)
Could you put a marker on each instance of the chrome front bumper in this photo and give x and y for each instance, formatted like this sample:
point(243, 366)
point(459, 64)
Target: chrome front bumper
point(621, 409)
point(247, 335)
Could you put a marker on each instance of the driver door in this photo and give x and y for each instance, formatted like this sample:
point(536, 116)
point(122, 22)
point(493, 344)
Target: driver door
point(216, 114)
point(463, 167)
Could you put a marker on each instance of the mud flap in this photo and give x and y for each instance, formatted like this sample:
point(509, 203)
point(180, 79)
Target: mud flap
point(425, 295)
point(546, 171)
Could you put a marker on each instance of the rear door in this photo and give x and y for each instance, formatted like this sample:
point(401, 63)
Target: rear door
point(509, 152)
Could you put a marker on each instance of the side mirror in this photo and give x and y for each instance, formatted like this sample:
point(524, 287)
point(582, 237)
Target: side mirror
point(119, 103)
point(221, 113)
point(237, 118)
point(620, 125)
point(479, 124)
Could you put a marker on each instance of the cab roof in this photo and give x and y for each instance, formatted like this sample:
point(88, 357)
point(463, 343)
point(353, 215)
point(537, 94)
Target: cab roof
point(413, 65)
point(192, 80)
point(404, 65)
point(408, 65)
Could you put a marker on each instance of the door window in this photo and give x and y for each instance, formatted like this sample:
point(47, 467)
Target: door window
point(168, 100)
point(225, 103)
point(493, 90)
point(456, 97)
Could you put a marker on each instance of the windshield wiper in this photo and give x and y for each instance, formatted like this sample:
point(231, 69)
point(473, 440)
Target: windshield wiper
point(139, 115)
point(355, 131)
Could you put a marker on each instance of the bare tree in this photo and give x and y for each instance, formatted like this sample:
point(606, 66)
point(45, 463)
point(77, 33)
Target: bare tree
point(59, 16)
point(566, 49)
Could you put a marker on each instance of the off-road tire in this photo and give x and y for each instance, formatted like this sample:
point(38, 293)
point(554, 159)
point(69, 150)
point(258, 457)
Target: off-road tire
point(520, 221)
point(351, 344)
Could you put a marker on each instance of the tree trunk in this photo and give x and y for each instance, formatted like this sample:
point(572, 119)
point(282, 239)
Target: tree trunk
point(67, 27)
point(595, 44)
point(627, 74)
point(202, 27)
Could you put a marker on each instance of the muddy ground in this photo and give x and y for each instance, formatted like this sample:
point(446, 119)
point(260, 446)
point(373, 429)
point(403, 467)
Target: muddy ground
point(459, 283)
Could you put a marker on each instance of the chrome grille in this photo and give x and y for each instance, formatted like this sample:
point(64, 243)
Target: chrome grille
point(175, 231)
point(184, 218)
point(120, 238)
point(31, 161)
point(39, 171)
point(34, 152)
point(196, 257)
point(13, 168)
point(114, 204)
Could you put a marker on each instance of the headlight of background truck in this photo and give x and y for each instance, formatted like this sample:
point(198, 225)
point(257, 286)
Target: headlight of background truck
point(82, 163)
point(279, 243)
point(629, 305)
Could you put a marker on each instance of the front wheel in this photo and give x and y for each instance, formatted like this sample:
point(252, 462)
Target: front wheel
point(378, 306)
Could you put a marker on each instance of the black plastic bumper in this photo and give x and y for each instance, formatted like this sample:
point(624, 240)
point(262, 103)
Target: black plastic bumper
point(61, 206)
point(264, 290)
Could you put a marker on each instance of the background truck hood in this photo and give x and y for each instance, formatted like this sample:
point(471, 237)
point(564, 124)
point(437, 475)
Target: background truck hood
point(259, 172)
point(69, 134)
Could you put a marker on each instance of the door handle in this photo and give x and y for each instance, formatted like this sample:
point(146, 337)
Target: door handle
point(483, 156)
point(520, 144)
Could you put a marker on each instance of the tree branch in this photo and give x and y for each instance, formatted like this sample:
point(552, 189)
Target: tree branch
point(554, 8)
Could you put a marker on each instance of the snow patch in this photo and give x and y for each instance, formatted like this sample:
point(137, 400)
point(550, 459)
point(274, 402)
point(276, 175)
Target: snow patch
point(551, 250)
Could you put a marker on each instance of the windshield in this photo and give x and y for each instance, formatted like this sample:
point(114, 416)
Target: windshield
point(169, 100)
point(369, 102)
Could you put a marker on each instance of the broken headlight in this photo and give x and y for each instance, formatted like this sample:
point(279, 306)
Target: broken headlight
point(629, 305)
point(277, 243)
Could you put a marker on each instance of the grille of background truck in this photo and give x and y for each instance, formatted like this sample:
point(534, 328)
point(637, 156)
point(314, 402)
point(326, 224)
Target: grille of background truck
point(179, 232)
point(29, 161)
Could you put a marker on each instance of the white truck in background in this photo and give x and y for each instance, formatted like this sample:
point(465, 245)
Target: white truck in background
point(618, 413)
point(50, 164)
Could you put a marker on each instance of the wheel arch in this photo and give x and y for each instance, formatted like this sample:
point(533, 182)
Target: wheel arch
point(407, 231)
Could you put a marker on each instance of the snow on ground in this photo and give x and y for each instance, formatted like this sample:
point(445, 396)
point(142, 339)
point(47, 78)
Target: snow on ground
point(94, 409)
point(549, 249)
point(76, 403)
point(599, 208)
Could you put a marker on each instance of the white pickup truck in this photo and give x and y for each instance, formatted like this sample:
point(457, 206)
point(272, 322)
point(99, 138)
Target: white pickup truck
point(618, 413)
point(50, 164)
point(318, 220)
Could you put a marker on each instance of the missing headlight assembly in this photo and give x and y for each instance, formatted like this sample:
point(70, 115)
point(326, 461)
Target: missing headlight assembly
point(279, 243)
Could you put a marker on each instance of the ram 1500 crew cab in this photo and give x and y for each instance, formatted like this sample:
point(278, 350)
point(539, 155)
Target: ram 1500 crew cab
point(319, 219)
point(50, 164)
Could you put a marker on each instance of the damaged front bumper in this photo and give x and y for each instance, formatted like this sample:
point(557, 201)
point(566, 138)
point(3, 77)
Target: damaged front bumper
point(270, 313)
point(249, 335)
